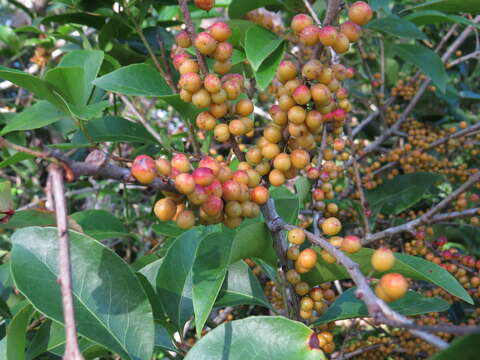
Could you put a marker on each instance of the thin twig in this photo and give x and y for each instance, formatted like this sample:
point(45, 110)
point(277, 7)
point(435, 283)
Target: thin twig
point(358, 180)
point(191, 33)
point(312, 12)
point(72, 351)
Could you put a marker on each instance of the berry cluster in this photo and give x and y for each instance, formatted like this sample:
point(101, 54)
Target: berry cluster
point(212, 190)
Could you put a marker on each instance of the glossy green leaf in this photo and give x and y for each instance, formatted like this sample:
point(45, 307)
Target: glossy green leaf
point(424, 58)
point(110, 305)
point(148, 277)
point(115, 129)
point(16, 158)
point(167, 228)
point(16, 333)
point(6, 202)
point(259, 338)
point(90, 61)
point(100, 224)
point(186, 110)
point(411, 266)
point(266, 72)
point(175, 277)
point(461, 348)
point(451, 6)
point(426, 17)
point(401, 193)
point(303, 187)
point(83, 18)
point(348, 306)
point(68, 81)
point(37, 86)
point(286, 203)
point(238, 8)
point(30, 218)
point(36, 116)
point(253, 240)
point(50, 338)
point(259, 44)
point(397, 26)
point(209, 269)
point(241, 287)
point(163, 339)
point(135, 80)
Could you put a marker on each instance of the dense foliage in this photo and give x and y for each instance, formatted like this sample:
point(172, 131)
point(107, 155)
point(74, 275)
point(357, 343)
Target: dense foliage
point(239, 179)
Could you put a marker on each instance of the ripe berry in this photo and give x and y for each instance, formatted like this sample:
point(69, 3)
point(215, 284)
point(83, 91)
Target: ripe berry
point(205, 121)
point(181, 163)
point(320, 94)
point(244, 107)
point(198, 196)
point(222, 68)
point(237, 127)
point(183, 40)
point(143, 169)
point(394, 285)
point(203, 176)
point(163, 167)
point(259, 195)
point(205, 4)
point(302, 288)
point(211, 163)
point(302, 95)
point(341, 44)
point(190, 81)
point(309, 35)
point(212, 83)
point(360, 13)
point(165, 209)
point(185, 219)
point(327, 257)
point(276, 177)
point(286, 71)
point(220, 31)
point(327, 35)
point(201, 99)
point(351, 244)
point(215, 188)
point(222, 54)
point(307, 258)
point(293, 277)
point(185, 183)
point(282, 162)
point(218, 110)
point(231, 190)
point(383, 259)
point(205, 43)
point(212, 206)
point(331, 226)
point(296, 236)
point(351, 30)
point(188, 66)
point(300, 22)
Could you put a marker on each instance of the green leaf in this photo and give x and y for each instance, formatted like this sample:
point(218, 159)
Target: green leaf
point(175, 277)
point(68, 81)
point(100, 224)
point(135, 80)
point(16, 334)
point(451, 6)
point(461, 348)
point(37, 116)
point(167, 228)
point(266, 72)
point(30, 218)
point(9, 37)
point(427, 17)
point(401, 193)
point(397, 26)
point(241, 287)
point(259, 338)
point(287, 204)
point(259, 44)
point(209, 269)
point(111, 307)
point(253, 240)
point(6, 202)
point(90, 61)
point(426, 59)
point(238, 8)
point(115, 129)
point(37, 86)
point(303, 187)
point(186, 110)
point(16, 158)
point(91, 19)
point(348, 306)
point(163, 339)
point(411, 266)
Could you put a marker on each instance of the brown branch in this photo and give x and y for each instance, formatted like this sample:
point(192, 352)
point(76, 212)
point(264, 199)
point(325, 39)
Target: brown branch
point(72, 351)
point(323, 145)
point(5, 143)
point(236, 149)
point(274, 223)
point(459, 133)
point(312, 12)
point(334, 7)
point(166, 65)
point(358, 180)
point(473, 55)
point(191, 33)
point(377, 308)
point(411, 225)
